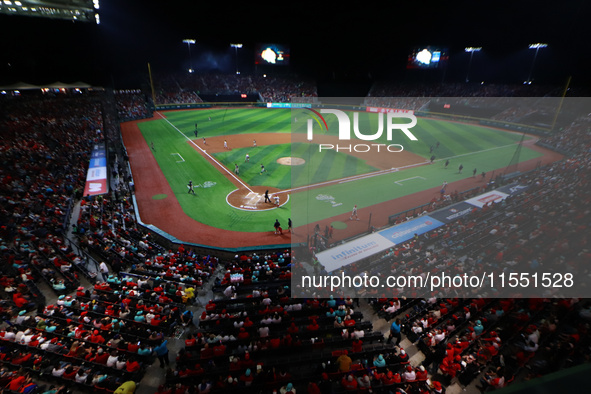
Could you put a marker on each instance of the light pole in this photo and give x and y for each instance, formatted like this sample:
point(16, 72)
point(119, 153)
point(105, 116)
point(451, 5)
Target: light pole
point(471, 50)
point(189, 42)
point(236, 47)
point(537, 47)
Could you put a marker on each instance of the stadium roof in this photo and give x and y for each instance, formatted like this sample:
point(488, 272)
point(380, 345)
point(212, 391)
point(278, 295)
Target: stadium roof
point(54, 85)
point(74, 10)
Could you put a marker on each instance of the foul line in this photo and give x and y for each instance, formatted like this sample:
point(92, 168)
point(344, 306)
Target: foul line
point(182, 160)
point(340, 180)
point(384, 172)
point(205, 153)
point(408, 179)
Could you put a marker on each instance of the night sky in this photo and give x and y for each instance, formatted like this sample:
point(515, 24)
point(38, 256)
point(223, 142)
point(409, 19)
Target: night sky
point(328, 40)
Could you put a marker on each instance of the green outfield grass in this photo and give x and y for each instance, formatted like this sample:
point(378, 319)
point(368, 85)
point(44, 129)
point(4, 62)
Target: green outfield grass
point(454, 138)
point(216, 122)
point(378, 189)
point(180, 163)
point(317, 168)
point(471, 145)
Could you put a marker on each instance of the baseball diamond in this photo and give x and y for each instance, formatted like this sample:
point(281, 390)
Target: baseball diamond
point(397, 181)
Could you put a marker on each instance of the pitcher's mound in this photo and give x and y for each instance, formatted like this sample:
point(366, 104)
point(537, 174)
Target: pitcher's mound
point(291, 161)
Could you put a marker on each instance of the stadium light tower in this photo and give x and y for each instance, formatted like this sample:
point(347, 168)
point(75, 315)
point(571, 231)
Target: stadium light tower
point(537, 47)
point(471, 50)
point(236, 47)
point(190, 42)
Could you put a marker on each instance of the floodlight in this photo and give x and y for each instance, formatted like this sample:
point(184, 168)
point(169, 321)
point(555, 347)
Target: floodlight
point(471, 51)
point(537, 47)
point(236, 47)
point(190, 41)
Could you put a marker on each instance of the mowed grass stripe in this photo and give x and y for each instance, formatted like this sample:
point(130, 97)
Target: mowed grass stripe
point(321, 171)
point(300, 174)
point(465, 138)
point(255, 120)
point(483, 137)
point(270, 153)
point(250, 172)
point(319, 167)
point(373, 190)
point(211, 128)
point(351, 167)
point(446, 140)
point(194, 167)
point(236, 121)
point(337, 167)
point(230, 121)
point(185, 121)
point(285, 180)
point(282, 176)
point(199, 170)
point(271, 121)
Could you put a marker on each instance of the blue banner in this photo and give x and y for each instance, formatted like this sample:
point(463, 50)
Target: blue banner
point(453, 212)
point(407, 230)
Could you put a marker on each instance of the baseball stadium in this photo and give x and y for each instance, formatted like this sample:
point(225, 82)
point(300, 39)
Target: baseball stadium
point(178, 146)
point(219, 204)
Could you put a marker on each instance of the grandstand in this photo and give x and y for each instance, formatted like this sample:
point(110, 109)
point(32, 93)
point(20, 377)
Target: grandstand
point(228, 319)
point(98, 296)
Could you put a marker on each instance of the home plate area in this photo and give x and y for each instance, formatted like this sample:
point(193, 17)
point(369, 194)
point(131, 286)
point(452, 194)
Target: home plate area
point(254, 199)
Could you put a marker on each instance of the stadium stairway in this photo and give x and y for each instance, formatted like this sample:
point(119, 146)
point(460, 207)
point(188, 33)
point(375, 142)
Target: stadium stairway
point(155, 376)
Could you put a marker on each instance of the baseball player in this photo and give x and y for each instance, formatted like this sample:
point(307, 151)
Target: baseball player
point(354, 213)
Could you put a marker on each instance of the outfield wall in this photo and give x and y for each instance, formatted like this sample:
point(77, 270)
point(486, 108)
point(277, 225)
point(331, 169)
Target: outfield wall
point(367, 247)
point(172, 241)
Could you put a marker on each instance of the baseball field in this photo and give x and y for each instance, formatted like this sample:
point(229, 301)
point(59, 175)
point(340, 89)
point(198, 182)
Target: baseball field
point(233, 156)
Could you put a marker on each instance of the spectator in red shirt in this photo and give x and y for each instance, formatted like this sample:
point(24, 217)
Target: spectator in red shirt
point(243, 334)
point(349, 383)
point(190, 341)
point(219, 350)
point(101, 356)
point(357, 345)
point(422, 374)
point(16, 383)
point(313, 326)
point(133, 347)
point(132, 365)
point(96, 337)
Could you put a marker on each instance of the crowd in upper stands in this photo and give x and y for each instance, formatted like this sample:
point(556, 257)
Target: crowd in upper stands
point(574, 138)
point(407, 89)
point(185, 88)
point(132, 104)
point(253, 334)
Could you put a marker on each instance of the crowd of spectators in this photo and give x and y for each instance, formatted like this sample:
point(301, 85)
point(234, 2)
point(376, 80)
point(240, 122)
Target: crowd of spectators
point(132, 104)
point(449, 89)
point(186, 88)
point(573, 139)
point(539, 230)
point(253, 334)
